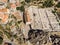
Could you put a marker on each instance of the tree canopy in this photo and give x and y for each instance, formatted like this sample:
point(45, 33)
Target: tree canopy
point(28, 1)
point(1, 40)
point(58, 5)
point(20, 8)
point(48, 3)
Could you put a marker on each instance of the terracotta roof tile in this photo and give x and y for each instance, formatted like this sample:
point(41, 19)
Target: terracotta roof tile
point(27, 16)
point(17, 15)
point(3, 10)
point(5, 18)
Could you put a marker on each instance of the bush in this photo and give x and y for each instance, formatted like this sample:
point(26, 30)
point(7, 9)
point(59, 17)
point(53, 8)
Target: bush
point(7, 27)
point(23, 3)
point(28, 1)
point(1, 40)
point(7, 34)
point(58, 5)
point(15, 36)
point(20, 8)
point(58, 14)
point(59, 23)
point(48, 3)
point(1, 33)
point(19, 21)
point(1, 27)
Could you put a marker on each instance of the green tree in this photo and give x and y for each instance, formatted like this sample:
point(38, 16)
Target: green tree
point(20, 8)
point(48, 3)
point(7, 34)
point(1, 34)
point(28, 1)
point(1, 27)
point(1, 40)
point(23, 3)
point(58, 5)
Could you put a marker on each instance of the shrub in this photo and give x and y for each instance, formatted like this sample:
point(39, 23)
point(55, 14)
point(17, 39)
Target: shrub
point(28, 1)
point(1, 40)
point(20, 8)
point(7, 34)
point(48, 3)
point(58, 5)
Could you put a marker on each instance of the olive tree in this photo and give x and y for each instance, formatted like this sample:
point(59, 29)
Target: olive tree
point(48, 3)
point(58, 5)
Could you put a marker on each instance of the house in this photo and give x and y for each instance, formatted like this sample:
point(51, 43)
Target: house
point(5, 18)
point(4, 15)
point(17, 14)
point(4, 10)
point(27, 17)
